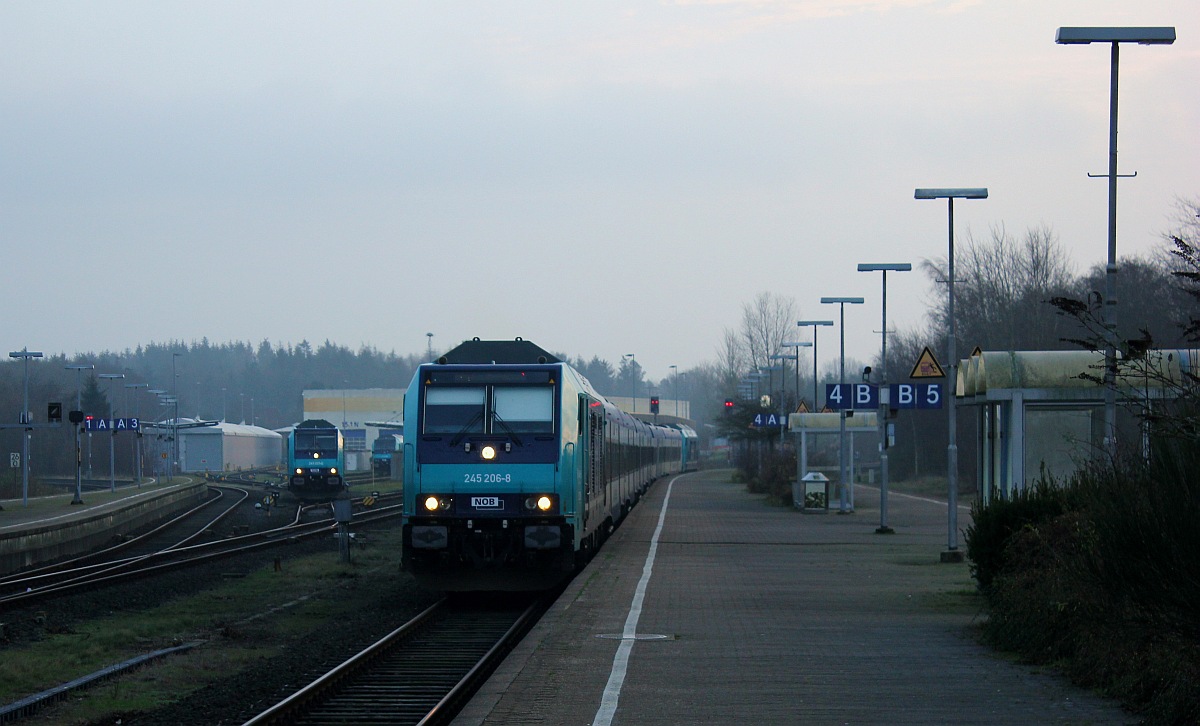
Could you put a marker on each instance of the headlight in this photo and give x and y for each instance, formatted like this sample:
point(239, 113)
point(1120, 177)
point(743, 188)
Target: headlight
point(431, 504)
point(541, 502)
point(333, 470)
point(299, 470)
point(316, 455)
point(488, 453)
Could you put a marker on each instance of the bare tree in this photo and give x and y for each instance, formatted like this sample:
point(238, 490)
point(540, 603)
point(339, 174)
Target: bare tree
point(1002, 289)
point(766, 324)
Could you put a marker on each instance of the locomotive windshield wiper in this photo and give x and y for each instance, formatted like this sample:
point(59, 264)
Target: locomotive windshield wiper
point(466, 429)
point(507, 429)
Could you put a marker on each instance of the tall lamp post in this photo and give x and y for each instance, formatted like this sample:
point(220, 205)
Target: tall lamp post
point(24, 420)
point(815, 324)
point(1113, 36)
point(884, 394)
point(675, 375)
point(175, 421)
point(842, 302)
point(112, 437)
point(79, 369)
point(632, 381)
point(137, 435)
point(952, 554)
point(796, 357)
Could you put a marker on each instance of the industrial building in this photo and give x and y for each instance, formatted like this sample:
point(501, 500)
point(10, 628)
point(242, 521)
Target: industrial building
point(218, 447)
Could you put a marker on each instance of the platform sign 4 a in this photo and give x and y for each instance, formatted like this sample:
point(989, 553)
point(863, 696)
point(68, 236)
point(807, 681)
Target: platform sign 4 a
point(768, 420)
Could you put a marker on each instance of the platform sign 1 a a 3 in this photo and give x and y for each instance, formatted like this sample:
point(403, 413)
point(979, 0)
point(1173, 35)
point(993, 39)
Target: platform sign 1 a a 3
point(840, 396)
point(92, 423)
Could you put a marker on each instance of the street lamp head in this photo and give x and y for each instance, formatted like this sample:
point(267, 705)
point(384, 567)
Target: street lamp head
point(88, 367)
point(1164, 35)
point(111, 376)
point(952, 193)
point(884, 267)
point(842, 300)
point(814, 322)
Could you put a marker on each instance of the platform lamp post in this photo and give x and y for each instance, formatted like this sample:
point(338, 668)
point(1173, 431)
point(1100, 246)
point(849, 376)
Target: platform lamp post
point(175, 420)
point(79, 369)
point(796, 357)
point(675, 375)
point(842, 302)
point(632, 381)
point(158, 393)
point(952, 553)
point(884, 393)
point(112, 438)
point(815, 324)
point(137, 435)
point(25, 421)
point(171, 403)
point(1113, 36)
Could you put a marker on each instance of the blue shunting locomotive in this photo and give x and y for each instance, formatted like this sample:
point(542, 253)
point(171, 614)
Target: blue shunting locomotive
point(316, 461)
point(516, 470)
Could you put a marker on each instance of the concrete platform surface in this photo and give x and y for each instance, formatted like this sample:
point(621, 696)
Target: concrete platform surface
point(709, 606)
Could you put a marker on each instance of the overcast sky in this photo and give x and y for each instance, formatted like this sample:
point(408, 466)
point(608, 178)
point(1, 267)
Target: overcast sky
point(599, 177)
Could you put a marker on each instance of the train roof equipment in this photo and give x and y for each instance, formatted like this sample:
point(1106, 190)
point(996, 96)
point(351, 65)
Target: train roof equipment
point(517, 351)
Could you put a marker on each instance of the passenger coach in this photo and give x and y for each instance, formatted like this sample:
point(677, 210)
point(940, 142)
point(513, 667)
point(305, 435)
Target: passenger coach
point(518, 469)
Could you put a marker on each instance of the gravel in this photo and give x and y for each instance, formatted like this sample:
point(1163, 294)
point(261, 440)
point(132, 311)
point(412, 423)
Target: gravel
point(379, 609)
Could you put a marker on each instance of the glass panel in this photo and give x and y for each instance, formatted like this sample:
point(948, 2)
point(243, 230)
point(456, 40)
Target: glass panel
point(323, 443)
point(454, 410)
point(523, 410)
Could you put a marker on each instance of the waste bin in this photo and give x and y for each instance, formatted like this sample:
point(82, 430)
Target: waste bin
point(811, 494)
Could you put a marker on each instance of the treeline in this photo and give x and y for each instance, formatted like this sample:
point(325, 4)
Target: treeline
point(237, 382)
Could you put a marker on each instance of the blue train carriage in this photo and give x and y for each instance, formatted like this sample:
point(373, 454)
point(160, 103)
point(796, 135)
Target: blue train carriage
point(384, 449)
point(517, 469)
point(689, 448)
point(316, 461)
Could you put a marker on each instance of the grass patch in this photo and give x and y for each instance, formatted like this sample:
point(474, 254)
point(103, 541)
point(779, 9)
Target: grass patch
point(242, 621)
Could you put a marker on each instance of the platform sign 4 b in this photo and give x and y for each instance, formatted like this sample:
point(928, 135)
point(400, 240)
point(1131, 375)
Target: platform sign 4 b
point(840, 396)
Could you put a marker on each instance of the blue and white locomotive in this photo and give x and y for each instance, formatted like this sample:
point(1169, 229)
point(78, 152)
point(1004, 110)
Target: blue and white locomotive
point(516, 470)
point(316, 461)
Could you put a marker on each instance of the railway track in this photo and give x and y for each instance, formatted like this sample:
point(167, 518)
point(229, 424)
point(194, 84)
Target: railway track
point(421, 673)
point(152, 554)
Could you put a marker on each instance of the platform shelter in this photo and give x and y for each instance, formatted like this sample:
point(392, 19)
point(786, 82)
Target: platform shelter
point(804, 426)
point(1043, 411)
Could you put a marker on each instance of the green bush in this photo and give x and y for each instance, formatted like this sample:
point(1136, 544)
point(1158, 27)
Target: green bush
point(992, 526)
point(1102, 577)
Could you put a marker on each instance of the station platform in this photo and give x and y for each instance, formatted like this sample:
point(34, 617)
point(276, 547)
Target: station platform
point(709, 606)
point(46, 528)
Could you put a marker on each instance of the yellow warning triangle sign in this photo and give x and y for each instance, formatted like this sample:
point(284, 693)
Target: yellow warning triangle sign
point(927, 366)
point(977, 352)
point(802, 408)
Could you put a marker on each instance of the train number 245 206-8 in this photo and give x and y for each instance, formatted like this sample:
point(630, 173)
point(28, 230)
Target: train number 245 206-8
point(487, 478)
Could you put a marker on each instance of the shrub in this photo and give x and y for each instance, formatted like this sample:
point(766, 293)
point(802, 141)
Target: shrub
point(993, 525)
point(1102, 576)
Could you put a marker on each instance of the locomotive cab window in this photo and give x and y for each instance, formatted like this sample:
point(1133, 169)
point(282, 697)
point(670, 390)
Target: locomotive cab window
point(454, 410)
point(316, 445)
point(523, 410)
